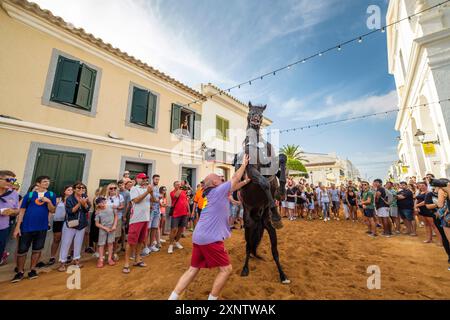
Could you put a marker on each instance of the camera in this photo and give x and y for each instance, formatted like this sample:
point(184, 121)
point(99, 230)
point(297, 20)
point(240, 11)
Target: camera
point(441, 183)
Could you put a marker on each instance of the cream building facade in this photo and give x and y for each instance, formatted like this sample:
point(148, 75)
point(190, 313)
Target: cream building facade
point(73, 107)
point(419, 59)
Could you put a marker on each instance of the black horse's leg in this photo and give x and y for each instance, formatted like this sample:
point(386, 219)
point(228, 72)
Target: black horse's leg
point(245, 269)
point(273, 244)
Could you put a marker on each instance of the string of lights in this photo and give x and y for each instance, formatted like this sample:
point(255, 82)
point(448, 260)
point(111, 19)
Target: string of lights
point(337, 47)
point(321, 124)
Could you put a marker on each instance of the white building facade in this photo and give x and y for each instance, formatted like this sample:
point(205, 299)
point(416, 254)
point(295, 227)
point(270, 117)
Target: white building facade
point(224, 123)
point(329, 168)
point(419, 59)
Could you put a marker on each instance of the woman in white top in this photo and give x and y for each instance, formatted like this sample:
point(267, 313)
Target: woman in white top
point(115, 203)
point(58, 222)
point(325, 199)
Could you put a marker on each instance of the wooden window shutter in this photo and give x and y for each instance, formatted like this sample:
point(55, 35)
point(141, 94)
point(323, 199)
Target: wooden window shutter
point(226, 125)
point(197, 126)
point(151, 112)
point(86, 87)
point(139, 106)
point(65, 82)
point(175, 121)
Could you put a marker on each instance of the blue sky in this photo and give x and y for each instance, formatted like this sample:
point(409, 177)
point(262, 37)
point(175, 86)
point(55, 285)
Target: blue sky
point(228, 42)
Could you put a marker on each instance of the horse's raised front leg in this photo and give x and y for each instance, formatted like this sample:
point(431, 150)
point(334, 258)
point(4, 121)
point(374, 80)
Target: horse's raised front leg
point(273, 244)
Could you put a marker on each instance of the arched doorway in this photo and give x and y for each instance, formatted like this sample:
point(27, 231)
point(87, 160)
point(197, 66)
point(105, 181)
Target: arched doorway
point(417, 147)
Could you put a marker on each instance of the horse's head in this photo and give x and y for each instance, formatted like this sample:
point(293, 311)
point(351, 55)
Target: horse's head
point(255, 116)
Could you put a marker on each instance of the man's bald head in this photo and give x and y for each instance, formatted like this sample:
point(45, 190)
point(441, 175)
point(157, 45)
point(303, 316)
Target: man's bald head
point(212, 180)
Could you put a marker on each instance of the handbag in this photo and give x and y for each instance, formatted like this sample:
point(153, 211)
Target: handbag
point(172, 208)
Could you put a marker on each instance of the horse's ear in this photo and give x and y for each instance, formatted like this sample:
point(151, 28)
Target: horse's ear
point(250, 104)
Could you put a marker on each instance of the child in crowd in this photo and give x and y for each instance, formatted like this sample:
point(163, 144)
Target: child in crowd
point(106, 221)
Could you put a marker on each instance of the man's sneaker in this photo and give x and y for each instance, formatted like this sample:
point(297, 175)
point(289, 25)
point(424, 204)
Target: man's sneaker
point(170, 250)
point(178, 245)
point(89, 250)
point(162, 240)
point(154, 248)
point(145, 252)
point(18, 277)
point(40, 265)
point(51, 262)
point(32, 274)
point(132, 258)
point(372, 235)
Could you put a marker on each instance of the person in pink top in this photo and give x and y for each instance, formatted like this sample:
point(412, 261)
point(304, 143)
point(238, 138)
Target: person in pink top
point(211, 231)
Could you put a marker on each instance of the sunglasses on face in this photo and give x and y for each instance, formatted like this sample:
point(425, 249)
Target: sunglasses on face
point(9, 180)
point(113, 188)
point(80, 188)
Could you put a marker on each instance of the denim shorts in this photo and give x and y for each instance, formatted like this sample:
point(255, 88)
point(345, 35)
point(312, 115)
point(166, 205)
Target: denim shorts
point(369, 213)
point(406, 214)
point(155, 217)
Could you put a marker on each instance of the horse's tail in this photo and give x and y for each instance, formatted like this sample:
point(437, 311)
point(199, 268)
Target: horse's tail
point(256, 236)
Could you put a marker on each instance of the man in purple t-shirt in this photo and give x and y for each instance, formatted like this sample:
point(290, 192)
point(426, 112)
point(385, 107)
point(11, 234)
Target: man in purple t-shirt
point(212, 229)
point(9, 206)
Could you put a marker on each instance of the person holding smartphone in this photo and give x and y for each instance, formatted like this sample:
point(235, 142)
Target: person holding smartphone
point(77, 209)
point(32, 226)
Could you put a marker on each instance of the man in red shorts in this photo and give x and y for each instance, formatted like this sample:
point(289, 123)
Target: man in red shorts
point(211, 230)
point(140, 196)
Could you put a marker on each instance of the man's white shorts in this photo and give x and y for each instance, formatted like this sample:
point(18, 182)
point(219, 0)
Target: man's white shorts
point(291, 205)
point(383, 212)
point(284, 204)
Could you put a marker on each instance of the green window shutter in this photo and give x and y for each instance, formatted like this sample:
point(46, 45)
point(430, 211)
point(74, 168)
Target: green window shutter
point(197, 126)
point(65, 82)
point(86, 87)
point(219, 126)
point(151, 113)
point(175, 121)
point(226, 126)
point(139, 106)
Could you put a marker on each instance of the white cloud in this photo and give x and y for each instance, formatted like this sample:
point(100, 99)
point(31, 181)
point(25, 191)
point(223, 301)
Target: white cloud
point(142, 31)
point(307, 108)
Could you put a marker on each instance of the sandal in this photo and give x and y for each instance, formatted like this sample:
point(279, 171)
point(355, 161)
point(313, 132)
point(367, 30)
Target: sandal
point(111, 263)
point(126, 270)
point(62, 268)
point(77, 264)
point(141, 264)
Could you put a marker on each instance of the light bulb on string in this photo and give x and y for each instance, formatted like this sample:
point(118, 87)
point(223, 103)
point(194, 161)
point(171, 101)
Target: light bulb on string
point(360, 39)
point(339, 48)
point(383, 29)
point(320, 54)
point(303, 61)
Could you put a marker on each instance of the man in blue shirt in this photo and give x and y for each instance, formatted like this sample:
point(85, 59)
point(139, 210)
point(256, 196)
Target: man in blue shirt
point(32, 226)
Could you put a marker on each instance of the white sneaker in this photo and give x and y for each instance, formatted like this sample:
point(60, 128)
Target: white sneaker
point(170, 250)
point(162, 241)
point(178, 245)
point(96, 255)
point(145, 252)
point(154, 249)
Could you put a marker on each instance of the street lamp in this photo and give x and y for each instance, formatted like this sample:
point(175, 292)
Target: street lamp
point(420, 135)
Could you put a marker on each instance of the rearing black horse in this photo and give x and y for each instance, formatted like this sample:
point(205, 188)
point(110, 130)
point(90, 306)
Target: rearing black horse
point(260, 211)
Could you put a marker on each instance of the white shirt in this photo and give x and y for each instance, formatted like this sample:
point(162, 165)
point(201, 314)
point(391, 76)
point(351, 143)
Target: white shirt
point(114, 201)
point(141, 210)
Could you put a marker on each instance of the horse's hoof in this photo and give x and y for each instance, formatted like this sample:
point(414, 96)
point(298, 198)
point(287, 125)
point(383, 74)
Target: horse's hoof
point(244, 273)
point(277, 224)
point(286, 281)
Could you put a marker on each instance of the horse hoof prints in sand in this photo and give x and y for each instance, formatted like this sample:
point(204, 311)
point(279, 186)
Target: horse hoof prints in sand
point(264, 170)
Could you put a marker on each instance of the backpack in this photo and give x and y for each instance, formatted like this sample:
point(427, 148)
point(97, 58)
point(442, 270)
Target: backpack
point(30, 195)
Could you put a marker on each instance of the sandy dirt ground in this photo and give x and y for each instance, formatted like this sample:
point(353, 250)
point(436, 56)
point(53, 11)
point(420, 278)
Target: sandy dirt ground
point(323, 261)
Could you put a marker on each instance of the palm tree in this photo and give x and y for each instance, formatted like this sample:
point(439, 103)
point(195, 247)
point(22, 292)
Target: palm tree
point(293, 152)
point(294, 157)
